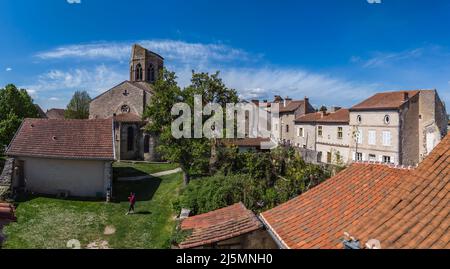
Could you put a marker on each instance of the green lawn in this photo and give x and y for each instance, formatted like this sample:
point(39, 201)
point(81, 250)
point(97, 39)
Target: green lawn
point(124, 169)
point(50, 223)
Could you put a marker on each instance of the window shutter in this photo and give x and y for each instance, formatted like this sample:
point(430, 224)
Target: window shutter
point(363, 158)
point(380, 159)
point(354, 156)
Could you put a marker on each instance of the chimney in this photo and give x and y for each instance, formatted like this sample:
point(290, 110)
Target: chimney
point(322, 113)
point(306, 100)
point(405, 96)
point(278, 99)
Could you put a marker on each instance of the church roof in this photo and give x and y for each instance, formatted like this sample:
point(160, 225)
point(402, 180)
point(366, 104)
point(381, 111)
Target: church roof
point(139, 47)
point(141, 85)
point(64, 139)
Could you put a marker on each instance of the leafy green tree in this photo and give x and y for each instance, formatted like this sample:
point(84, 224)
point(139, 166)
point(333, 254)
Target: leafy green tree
point(15, 105)
point(78, 107)
point(193, 154)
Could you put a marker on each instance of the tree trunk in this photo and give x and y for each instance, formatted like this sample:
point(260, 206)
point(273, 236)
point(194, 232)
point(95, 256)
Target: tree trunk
point(186, 178)
point(214, 158)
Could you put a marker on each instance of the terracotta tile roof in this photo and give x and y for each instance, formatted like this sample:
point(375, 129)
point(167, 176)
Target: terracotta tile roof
point(219, 225)
point(386, 100)
point(7, 212)
point(340, 116)
point(319, 217)
point(291, 106)
point(41, 112)
point(417, 213)
point(246, 142)
point(55, 114)
point(69, 139)
point(128, 117)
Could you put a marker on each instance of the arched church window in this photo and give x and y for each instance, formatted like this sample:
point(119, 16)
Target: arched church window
point(151, 73)
point(138, 72)
point(130, 138)
point(146, 144)
point(125, 109)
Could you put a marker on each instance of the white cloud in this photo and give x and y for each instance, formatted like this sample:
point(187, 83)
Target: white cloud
point(53, 99)
point(95, 80)
point(8, 69)
point(74, 1)
point(265, 82)
point(381, 59)
point(176, 51)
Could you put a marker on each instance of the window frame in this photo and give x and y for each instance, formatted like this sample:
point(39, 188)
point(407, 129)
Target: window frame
point(320, 131)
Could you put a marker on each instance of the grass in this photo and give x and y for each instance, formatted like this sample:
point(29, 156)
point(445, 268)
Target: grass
point(50, 223)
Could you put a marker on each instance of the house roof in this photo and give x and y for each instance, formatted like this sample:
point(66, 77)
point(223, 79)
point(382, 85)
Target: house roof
point(386, 100)
point(246, 142)
point(127, 117)
point(68, 139)
point(41, 112)
point(417, 213)
point(319, 217)
point(7, 212)
point(291, 106)
point(55, 114)
point(219, 225)
point(340, 116)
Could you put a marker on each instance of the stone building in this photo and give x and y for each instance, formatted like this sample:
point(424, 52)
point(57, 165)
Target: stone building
point(283, 126)
point(327, 133)
point(400, 127)
point(126, 103)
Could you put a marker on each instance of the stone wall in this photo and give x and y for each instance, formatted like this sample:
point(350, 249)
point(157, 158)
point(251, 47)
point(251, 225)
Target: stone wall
point(6, 179)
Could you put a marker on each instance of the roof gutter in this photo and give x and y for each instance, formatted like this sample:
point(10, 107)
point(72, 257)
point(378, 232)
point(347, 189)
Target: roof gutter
point(272, 233)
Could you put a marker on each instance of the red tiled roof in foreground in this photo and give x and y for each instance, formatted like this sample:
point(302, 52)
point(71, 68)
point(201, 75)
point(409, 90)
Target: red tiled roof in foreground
point(6, 213)
point(219, 225)
point(68, 139)
point(319, 217)
point(417, 214)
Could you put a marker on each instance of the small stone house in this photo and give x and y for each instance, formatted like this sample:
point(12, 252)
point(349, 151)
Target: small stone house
point(232, 227)
point(63, 157)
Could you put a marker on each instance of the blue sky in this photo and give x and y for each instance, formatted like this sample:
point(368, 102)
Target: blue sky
point(335, 52)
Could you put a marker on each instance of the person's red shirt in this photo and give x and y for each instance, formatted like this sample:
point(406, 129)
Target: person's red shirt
point(132, 199)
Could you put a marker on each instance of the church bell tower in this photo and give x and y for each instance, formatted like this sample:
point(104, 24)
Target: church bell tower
point(145, 65)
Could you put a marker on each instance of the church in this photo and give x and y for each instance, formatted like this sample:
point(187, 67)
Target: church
point(125, 105)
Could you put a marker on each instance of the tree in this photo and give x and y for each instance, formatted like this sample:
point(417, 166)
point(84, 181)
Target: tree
point(15, 105)
point(193, 154)
point(78, 107)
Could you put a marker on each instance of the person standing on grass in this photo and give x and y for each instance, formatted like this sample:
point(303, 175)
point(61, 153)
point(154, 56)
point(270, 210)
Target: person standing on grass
point(132, 199)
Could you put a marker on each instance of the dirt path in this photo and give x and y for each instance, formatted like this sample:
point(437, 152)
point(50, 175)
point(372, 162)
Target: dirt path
point(159, 174)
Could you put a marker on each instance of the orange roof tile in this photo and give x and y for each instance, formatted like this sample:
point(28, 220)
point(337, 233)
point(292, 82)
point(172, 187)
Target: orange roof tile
point(68, 139)
point(319, 217)
point(386, 100)
point(7, 212)
point(340, 116)
point(219, 225)
point(417, 214)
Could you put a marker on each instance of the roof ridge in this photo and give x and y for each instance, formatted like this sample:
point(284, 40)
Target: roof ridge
point(391, 165)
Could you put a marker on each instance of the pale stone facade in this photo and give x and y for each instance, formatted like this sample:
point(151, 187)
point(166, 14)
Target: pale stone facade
point(126, 102)
point(403, 135)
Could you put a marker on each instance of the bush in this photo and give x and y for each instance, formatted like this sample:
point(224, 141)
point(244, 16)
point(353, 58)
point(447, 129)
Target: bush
point(259, 180)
